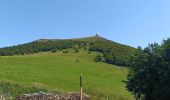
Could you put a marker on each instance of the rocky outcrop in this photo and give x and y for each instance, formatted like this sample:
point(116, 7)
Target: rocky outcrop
point(52, 96)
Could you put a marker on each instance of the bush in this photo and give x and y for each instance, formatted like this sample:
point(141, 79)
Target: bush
point(54, 50)
point(66, 51)
point(98, 58)
point(76, 51)
point(77, 60)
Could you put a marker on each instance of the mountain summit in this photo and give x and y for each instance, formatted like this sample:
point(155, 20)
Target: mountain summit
point(94, 38)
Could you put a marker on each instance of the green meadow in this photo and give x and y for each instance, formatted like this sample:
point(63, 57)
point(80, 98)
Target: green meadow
point(61, 71)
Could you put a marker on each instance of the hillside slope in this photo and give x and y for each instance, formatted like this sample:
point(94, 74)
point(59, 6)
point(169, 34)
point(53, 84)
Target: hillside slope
point(60, 71)
point(113, 53)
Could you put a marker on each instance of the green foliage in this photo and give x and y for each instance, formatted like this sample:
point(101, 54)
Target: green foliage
point(38, 46)
point(98, 57)
point(54, 50)
point(89, 52)
point(114, 53)
point(77, 60)
point(76, 51)
point(65, 51)
point(149, 77)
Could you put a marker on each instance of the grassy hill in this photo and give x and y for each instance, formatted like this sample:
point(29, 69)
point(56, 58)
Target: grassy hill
point(60, 71)
point(113, 53)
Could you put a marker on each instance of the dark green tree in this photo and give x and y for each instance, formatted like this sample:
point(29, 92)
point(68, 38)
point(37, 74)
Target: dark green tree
point(54, 50)
point(77, 50)
point(98, 57)
point(149, 77)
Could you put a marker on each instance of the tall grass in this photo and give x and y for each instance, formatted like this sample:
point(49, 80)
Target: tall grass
point(12, 90)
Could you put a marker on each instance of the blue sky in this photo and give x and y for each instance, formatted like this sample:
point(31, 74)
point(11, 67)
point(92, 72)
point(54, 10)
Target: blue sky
point(130, 22)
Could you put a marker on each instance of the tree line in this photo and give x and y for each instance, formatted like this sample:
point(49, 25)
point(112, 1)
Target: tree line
point(40, 46)
point(113, 53)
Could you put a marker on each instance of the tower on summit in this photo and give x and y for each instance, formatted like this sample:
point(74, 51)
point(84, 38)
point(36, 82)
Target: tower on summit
point(97, 34)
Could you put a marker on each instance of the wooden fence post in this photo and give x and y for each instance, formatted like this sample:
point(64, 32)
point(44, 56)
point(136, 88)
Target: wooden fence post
point(81, 86)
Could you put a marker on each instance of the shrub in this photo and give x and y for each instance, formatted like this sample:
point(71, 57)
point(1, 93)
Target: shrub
point(66, 51)
point(54, 50)
point(98, 58)
point(76, 51)
point(89, 52)
point(77, 60)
